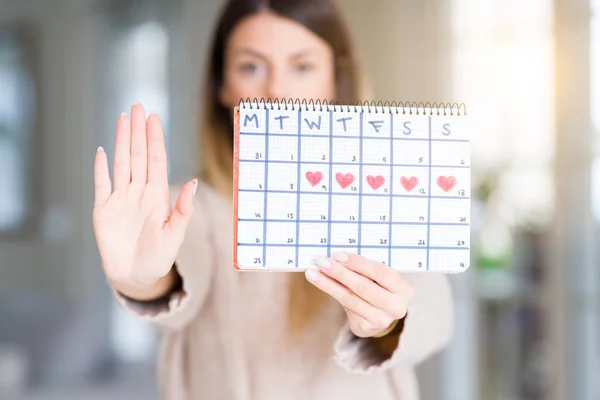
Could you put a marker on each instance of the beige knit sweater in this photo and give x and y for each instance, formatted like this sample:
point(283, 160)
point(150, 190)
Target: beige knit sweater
point(224, 332)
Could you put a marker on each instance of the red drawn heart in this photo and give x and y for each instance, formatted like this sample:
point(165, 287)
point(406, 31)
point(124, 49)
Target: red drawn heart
point(409, 183)
point(344, 180)
point(446, 182)
point(314, 177)
point(375, 181)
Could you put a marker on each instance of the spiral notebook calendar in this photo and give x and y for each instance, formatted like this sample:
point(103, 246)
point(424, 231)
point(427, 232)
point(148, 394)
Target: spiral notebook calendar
point(390, 182)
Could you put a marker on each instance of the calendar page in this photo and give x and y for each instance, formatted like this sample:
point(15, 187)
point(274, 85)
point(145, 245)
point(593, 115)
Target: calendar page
point(389, 183)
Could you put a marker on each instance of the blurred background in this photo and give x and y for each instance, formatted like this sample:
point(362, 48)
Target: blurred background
point(527, 323)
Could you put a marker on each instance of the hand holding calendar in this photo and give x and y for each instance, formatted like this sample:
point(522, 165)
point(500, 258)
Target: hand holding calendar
point(373, 295)
point(390, 183)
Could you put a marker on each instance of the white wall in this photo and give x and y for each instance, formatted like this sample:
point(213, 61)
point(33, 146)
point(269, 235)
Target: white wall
point(402, 43)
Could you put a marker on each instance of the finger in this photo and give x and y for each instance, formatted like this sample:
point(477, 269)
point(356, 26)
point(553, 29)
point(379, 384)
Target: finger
point(363, 287)
point(139, 156)
point(379, 272)
point(184, 207)
point(157, 154)
point(342, 294)
point(122, 163)
point(102, 186)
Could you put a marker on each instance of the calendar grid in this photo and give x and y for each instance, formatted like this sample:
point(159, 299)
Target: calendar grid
point(403, 209)
point(414, 196)
point(360, 174)
point(264, 255)
point(306, 221)
point(365, 164)
point(390, 242)
point(309, 135)
point(345, 246)
point(429, 198)
point(330, 183)
point(298, 189)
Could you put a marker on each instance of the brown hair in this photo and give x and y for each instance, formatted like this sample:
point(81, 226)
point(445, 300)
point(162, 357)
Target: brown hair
point(324, 19)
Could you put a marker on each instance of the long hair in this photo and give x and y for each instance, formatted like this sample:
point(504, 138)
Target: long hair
point(323, 18)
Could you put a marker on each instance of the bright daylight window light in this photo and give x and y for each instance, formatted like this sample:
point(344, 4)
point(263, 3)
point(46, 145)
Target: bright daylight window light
point(502, 69)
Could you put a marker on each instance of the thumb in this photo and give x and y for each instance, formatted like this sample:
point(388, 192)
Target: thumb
point(184, 208)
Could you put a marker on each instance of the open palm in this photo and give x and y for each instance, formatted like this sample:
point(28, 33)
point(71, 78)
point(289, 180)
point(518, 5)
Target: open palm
point(137, 231)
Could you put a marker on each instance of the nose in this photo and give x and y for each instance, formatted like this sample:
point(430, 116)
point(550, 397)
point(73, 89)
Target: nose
point(276, 86)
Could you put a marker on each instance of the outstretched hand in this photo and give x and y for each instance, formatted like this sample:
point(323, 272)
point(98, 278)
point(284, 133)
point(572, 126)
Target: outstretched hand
point(137, 231)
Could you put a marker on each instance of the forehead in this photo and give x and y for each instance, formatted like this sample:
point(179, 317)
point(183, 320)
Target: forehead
point(274, 36)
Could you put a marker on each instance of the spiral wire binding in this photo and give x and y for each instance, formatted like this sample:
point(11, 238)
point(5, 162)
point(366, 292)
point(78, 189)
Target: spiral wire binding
point(410, 108)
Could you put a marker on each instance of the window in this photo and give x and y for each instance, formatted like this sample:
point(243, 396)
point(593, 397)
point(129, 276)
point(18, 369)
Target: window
point(503, 58)
point(17, 124)
point(141, 68)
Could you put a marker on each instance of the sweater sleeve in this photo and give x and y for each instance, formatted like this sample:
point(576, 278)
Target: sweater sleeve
point(194, 263)
point(426, 329)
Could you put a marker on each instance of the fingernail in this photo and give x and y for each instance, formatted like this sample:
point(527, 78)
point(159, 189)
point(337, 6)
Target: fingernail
point(123, 114)
point(341, 257)
point(99, 149)
point(312, 275)
point(152, 113)
point(195, 185)
point(323, 262)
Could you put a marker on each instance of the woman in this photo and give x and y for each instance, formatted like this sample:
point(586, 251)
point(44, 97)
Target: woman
point(353, 329)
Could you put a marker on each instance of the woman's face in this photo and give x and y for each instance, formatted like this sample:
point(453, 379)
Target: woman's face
point(269, 56)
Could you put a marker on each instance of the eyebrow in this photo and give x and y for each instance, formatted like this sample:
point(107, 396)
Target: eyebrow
point(246, 50)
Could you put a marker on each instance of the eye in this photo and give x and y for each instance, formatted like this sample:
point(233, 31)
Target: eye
point(248, 68)
point(305, 67)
